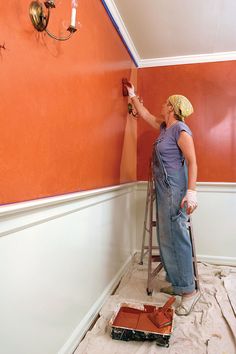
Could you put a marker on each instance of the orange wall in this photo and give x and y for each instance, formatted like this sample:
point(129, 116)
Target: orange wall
point(63, 117)
point(211, 87)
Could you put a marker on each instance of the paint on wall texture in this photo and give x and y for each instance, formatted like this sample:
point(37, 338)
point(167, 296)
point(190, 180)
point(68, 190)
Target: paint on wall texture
point(63, 117)
point(211, 87)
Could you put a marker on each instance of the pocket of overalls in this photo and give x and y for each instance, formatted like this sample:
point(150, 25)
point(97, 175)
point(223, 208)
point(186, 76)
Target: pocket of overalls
point(176, 198)
point(180, 215)
point(175, 217)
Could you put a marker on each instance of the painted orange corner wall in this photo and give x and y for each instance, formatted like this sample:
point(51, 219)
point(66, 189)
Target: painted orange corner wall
point(64, 123)
point(63, 117)
point(211, 87)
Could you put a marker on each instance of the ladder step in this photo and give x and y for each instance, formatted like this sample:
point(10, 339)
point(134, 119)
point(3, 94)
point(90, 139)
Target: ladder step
point(153, 248)
point(156, 258)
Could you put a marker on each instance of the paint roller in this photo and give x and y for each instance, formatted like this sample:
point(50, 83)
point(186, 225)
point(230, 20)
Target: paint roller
point(162, 316)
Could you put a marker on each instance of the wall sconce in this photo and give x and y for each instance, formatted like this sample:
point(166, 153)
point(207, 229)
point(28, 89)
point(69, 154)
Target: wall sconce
point(40, 19)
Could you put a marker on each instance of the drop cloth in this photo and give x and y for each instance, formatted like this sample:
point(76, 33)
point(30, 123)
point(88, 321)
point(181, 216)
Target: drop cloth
point(209, 329)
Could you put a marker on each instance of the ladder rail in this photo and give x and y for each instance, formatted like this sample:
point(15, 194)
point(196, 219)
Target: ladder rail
point(145, 223)
point(195, 269)
point(150, 235)
point(149, 196)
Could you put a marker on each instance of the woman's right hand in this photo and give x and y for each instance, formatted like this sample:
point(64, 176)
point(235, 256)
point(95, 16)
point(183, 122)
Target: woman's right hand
point(139, 107)
point(130, 89)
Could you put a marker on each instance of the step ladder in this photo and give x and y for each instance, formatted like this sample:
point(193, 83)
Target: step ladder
point(149, 248)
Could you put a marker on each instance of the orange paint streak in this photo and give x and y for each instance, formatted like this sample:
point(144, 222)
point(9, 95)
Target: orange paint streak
point(128, 167)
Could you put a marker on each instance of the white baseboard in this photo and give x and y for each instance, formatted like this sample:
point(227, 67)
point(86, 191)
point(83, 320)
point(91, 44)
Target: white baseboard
point(75, 338)
point(229, 261)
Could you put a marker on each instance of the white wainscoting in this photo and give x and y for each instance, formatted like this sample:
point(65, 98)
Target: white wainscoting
point(214, 221)
point(60, 258)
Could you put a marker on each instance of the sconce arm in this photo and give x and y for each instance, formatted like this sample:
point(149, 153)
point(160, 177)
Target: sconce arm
point(70, 29)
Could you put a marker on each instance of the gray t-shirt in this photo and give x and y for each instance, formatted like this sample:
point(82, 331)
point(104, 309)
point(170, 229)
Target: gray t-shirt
point(167, 146)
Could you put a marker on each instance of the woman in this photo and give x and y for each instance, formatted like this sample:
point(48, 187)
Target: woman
point(175, 185)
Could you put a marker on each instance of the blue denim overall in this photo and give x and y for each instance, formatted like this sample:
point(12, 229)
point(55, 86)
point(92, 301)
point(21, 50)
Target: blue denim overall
point(172, 233)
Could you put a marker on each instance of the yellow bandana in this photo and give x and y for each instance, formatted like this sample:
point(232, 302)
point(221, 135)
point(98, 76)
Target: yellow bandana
point(182, 106)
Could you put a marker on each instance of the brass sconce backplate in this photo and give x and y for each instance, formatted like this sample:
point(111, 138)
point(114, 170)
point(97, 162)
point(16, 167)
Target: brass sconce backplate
point(38, 18)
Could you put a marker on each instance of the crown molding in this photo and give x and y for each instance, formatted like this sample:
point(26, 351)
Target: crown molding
point(118, 23)
point(187, 59)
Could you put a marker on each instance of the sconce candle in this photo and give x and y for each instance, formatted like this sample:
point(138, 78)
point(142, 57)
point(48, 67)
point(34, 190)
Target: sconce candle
point(74, 4)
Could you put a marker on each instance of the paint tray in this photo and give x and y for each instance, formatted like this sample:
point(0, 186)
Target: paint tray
point(134, 321)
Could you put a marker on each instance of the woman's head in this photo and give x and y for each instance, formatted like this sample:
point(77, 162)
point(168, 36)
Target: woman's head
point(182, 107)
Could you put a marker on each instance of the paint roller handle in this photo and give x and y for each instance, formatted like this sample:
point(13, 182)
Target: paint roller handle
point(168, 304)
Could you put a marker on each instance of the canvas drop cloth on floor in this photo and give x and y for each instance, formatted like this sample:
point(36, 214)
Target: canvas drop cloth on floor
point(209, 329)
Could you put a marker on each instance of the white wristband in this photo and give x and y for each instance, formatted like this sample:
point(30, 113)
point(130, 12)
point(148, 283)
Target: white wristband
point(131, 91)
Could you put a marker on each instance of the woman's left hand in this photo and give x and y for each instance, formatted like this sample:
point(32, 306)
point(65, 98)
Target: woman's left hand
point(191, 200)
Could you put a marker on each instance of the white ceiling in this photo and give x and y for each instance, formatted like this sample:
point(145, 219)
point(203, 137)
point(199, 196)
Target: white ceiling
point(173, 28)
